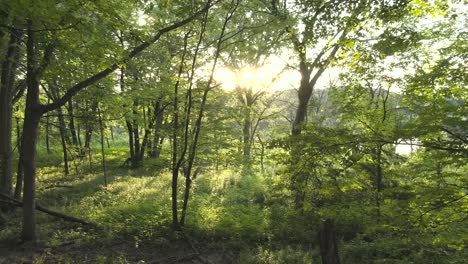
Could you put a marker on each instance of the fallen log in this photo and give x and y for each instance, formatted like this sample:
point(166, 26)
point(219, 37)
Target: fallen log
point(14, 202)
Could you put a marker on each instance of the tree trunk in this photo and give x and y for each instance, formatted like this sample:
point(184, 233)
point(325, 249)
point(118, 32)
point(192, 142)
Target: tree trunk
point(8, 76)
point(246, 134)
point(246, 131)
point(30, 133)
point(63, 139)
point(101, 128)
point(71, 123)
point(130, 122)
point(88, 136)
point(303, 95)
point(158, 139)
point(378, 176)
point(47, 135)
point(19, 174)
point(328, 243)
point(136, 136)
point(262, 154)
point(78, 134)
point(198, 123)
point(147, 142)
point(188, 185)
point(175, 128)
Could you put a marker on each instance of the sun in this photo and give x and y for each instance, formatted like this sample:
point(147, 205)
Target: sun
point(270, 77)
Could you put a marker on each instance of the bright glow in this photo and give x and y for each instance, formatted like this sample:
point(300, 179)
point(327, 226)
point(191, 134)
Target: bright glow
point(403, 149)
point(226, 77)
point(407, 148)
point(272, 76)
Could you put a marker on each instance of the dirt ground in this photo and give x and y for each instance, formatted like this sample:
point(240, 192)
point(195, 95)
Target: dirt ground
point(160, 252)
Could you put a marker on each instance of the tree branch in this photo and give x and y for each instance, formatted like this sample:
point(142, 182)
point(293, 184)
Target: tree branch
point(131, 53)
point(68, 218)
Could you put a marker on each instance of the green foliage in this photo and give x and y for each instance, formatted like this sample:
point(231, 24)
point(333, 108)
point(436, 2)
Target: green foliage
point(403, 81)
point(262, 255)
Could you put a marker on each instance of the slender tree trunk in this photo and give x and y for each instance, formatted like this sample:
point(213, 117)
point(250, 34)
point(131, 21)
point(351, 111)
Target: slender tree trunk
point(89, 126)
point(130, 139)
point(19, 174)
point(63, 139)
point(246, 131)
point(147, 144)
point(175, 128)
point(188, 186)
point(103, 154)
point(8, 76)
point(78, 134)
point(71, 123)
point(30, 133)
point(111, 128)
point(246, 134)
point(128, 122)
point(144, 144)
point(158, 138)
point(378, 178)
point(88, 136)
point(197, 128)
point(47, 135)
point(136, 136)
point(75, 142)
point(262, 154)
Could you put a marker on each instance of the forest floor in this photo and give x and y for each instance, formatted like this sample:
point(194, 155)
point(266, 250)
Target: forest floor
point(132, 215)
point(124, 251)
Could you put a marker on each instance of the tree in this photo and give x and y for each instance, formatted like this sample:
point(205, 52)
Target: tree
point(34, 109)
point(9, 65)
point(320, 28)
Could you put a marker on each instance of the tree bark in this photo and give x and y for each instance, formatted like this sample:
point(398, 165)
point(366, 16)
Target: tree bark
point(158, 138)
point(71, 123)
point(136, 136)
point(8, 76)
point(63, 140)
point(30, 133)
point(47, 135)
point(19, 174)
point(177, 161)
point(103, 154)
point(328, 243)
point(262, 154)
point(90, 125)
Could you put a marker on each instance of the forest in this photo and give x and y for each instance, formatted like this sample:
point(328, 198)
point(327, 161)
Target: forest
point(234, 131)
